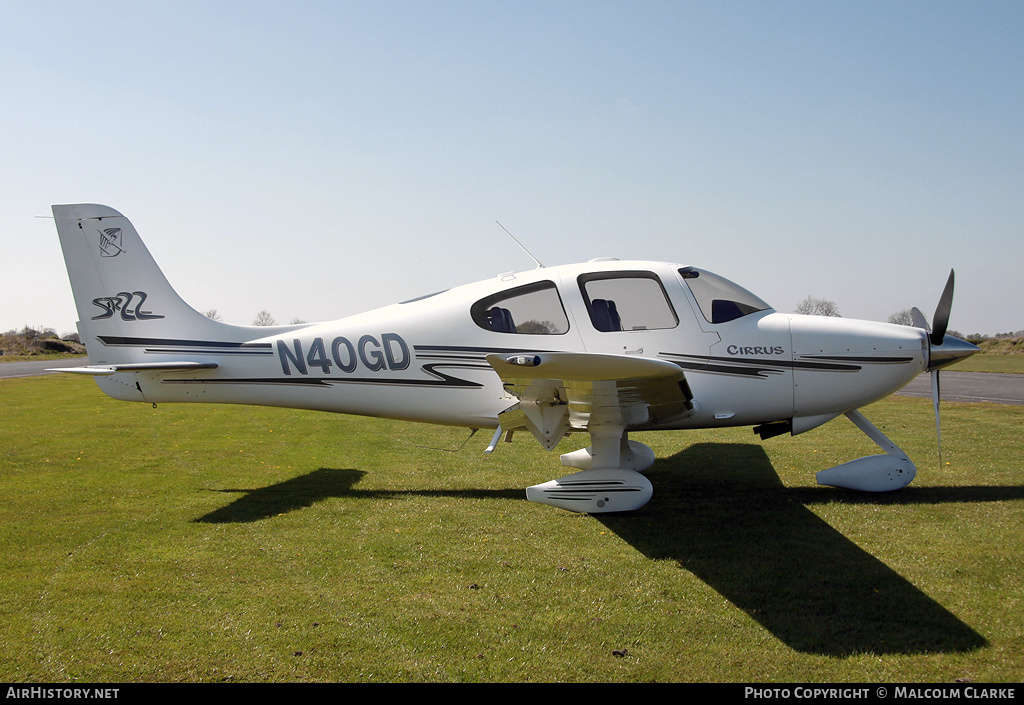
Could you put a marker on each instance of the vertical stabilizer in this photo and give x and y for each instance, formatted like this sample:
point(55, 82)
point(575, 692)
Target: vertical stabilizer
point(120, 293)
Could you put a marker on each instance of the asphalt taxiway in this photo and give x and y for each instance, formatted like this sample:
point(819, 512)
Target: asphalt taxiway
point(978, 387)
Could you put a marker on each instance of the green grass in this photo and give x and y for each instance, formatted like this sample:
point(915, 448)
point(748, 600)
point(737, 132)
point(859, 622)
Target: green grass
point(991, 362)
point(217, 543)
point(996, 355)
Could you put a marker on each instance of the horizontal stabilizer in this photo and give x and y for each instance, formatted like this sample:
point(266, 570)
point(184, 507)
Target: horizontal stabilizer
point(103, 370)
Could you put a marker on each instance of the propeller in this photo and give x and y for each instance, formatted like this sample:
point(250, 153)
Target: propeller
point(943, 350)
point(941, 319)
point(936, 398)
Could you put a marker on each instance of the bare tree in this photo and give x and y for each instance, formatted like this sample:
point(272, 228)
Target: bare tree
point(902, 318)
point(537, 327)
point(812, 306)
point(212, 314)
point(263, 318)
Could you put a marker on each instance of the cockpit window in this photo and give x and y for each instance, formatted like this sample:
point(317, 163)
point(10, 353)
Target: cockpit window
point(619, 301)
point(719, 299)
point(534, 309)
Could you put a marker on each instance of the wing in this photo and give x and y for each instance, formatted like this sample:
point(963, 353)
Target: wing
point(560, 392)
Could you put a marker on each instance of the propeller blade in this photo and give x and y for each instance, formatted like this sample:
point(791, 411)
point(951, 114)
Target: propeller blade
point(941, 319)
point(936, 397)
point(919, 320)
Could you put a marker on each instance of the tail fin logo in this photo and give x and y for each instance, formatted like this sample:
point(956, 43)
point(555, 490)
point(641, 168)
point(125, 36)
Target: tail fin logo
point(110, 242)
point(123, 303)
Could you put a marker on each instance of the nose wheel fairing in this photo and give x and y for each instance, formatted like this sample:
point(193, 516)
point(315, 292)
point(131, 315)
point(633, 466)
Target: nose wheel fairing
point(874, 473)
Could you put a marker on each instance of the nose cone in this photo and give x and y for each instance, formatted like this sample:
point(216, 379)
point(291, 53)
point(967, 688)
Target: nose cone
point(951, 350)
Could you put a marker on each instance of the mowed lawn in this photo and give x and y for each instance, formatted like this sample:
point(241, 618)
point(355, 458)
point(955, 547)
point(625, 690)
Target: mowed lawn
point(218, 543)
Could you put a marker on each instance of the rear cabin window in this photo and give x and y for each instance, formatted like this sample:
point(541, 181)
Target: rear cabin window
point(534, 309)
point(624, 301)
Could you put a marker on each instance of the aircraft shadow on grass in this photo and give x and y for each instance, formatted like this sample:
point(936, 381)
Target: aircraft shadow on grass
point(723, 514)
point(305, 490)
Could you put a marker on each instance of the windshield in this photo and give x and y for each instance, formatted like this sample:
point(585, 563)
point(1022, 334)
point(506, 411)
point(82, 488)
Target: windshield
point(719, 299)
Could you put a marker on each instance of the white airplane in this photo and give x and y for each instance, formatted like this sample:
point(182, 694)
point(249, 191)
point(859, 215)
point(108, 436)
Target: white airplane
point(604, 348)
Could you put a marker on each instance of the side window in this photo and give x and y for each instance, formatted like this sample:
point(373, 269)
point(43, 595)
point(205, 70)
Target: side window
point(534, 309)
point(620, 301)
point(720, 300)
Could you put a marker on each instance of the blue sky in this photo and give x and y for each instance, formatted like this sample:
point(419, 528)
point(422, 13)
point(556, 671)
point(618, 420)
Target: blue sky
point(317, 159)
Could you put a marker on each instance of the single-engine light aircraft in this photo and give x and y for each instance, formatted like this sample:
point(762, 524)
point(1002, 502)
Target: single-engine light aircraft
point(603, 348)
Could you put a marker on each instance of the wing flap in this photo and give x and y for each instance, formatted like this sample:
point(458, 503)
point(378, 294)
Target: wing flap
point(561, 392)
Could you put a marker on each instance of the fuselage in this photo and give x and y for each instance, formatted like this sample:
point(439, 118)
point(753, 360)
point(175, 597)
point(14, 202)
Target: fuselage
point(424, 360)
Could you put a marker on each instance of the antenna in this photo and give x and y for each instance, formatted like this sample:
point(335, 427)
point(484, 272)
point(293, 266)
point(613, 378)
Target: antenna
point(539, 265)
